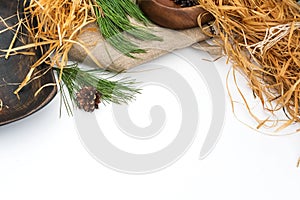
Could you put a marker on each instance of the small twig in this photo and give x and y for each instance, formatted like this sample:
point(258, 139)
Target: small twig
point(38, 3)
point(7, 84)
point(298, 163)
point(13, 40)
point(44, 86)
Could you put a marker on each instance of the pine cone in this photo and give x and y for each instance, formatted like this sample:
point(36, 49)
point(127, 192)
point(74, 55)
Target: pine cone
point(88, 99)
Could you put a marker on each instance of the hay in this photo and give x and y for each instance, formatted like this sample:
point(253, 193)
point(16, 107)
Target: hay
point(53, 26)
point(262, 39)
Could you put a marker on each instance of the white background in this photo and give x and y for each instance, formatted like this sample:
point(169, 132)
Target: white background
point(42, 157)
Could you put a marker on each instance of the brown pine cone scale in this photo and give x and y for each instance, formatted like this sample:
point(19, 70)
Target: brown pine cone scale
point(88, 99)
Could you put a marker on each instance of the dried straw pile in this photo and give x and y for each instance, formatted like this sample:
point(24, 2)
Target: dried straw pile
point(54, 26)
point(262, 38)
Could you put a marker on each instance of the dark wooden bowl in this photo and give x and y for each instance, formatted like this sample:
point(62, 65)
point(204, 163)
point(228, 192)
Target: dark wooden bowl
point(167, 14)
point(14, 69)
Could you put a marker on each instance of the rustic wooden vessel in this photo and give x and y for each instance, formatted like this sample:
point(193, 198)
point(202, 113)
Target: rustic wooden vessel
point(14, 69)
point(169, 15)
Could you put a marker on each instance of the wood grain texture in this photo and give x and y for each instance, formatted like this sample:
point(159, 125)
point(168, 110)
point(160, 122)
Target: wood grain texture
point(169, 15)
point(14, 69)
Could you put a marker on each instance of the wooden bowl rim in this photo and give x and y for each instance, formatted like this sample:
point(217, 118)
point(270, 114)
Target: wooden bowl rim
point(42, 104)
point(9, 10)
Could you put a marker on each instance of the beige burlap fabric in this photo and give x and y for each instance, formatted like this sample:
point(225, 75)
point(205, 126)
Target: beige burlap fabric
point(109, 58)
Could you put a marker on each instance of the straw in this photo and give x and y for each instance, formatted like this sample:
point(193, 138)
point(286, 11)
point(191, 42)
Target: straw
point(262, 39)
point(53, 27)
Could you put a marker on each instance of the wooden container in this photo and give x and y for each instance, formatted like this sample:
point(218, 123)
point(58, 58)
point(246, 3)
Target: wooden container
point(169, 15)
point(14, 69)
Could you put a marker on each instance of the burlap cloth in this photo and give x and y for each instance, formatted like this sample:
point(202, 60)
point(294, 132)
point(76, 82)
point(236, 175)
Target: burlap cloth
point(108, 58)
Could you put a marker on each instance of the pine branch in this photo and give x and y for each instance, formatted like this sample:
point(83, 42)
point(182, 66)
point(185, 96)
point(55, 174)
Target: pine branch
point(121, 91)
point(112, 18)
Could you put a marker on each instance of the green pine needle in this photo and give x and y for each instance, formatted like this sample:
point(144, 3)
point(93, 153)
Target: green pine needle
point(121, 91)
point(113, 21)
